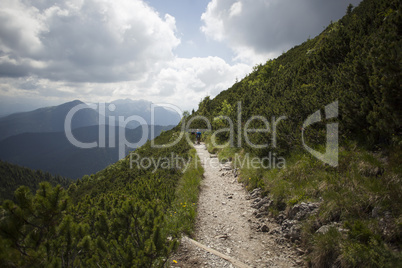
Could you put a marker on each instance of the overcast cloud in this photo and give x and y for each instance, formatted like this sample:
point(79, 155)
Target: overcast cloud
point(84, 41)
point(100, 50)
point(260, 29)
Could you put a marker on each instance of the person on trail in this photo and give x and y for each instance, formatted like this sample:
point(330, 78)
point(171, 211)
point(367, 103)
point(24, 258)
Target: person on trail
point(198, 136)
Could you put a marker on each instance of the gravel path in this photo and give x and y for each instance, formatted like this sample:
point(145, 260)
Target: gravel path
point(225, 222)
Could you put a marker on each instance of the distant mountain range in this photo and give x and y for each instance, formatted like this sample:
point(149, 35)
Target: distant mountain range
point(48, 119)
point(53, 152)
point(142, 108)
point(51, 119)
point(37, 139)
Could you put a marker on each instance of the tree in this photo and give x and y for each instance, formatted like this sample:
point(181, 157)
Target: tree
point(29, 227)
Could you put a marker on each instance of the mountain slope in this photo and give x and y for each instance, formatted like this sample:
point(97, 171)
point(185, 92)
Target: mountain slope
point(53, 152)
point(48, 119)
point(143, 108)
point(132, 217)
point(13, 176)
point(355, 61)
point(126, 215)
point(347, 81)
point(51, 119)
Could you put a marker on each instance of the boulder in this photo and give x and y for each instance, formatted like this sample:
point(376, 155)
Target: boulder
point(302, 210)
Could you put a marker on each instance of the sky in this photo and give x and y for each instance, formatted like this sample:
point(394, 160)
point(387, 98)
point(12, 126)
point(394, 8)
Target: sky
point(165, 51)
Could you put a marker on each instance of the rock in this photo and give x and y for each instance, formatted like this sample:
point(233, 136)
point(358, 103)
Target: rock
point(256, 201)
point(280, 218)
point(275, 231)
point(264, 228)
point(261, 214)
point(255, 190)
point(255, 193)
point(265, 207)
point(323, 229)
point(375, 213)
point(302, 210)
point(368, 170)
point(263, 201)
point(295, 233)
point(280, 240)
point(299, 251)
point(291, 229)
point(224, 236)
point(235, 172)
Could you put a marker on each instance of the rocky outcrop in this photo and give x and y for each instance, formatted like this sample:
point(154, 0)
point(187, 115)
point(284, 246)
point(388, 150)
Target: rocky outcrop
point(290, 222)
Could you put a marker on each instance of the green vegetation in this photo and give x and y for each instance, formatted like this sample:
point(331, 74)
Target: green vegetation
point(363, 194)
point(120, 216)
point(355, 61)
point(13, 176)
point(132, 217)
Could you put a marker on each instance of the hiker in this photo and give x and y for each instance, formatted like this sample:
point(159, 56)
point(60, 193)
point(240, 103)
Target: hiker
point(198, 136)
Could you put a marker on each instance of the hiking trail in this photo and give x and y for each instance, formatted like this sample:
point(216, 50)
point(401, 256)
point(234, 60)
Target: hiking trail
point(227, 232)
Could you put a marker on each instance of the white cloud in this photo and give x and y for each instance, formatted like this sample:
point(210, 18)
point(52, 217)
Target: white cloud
point(214, 23)
point(260, 29)
point(235, 9)
point(200, 76)
point(86, 41)
point(182, 82)
point(20, 26)
point(100, 50)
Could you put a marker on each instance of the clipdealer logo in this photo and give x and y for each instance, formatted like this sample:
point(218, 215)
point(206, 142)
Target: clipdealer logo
point(330, 156)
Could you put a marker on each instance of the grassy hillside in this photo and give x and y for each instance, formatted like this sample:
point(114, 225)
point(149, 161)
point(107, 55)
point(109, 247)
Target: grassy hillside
point(355, 63)
point(132, 217)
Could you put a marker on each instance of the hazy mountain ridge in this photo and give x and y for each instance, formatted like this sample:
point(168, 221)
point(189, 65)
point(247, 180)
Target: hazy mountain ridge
point(52, 119)
point(47, 119)
point(142, 108)
point(53, 152)
point(37, 139)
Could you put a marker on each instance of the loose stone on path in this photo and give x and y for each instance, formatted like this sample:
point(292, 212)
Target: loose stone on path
point(225, 223)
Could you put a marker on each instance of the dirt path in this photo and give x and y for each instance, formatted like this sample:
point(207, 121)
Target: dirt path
point(225, 223)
